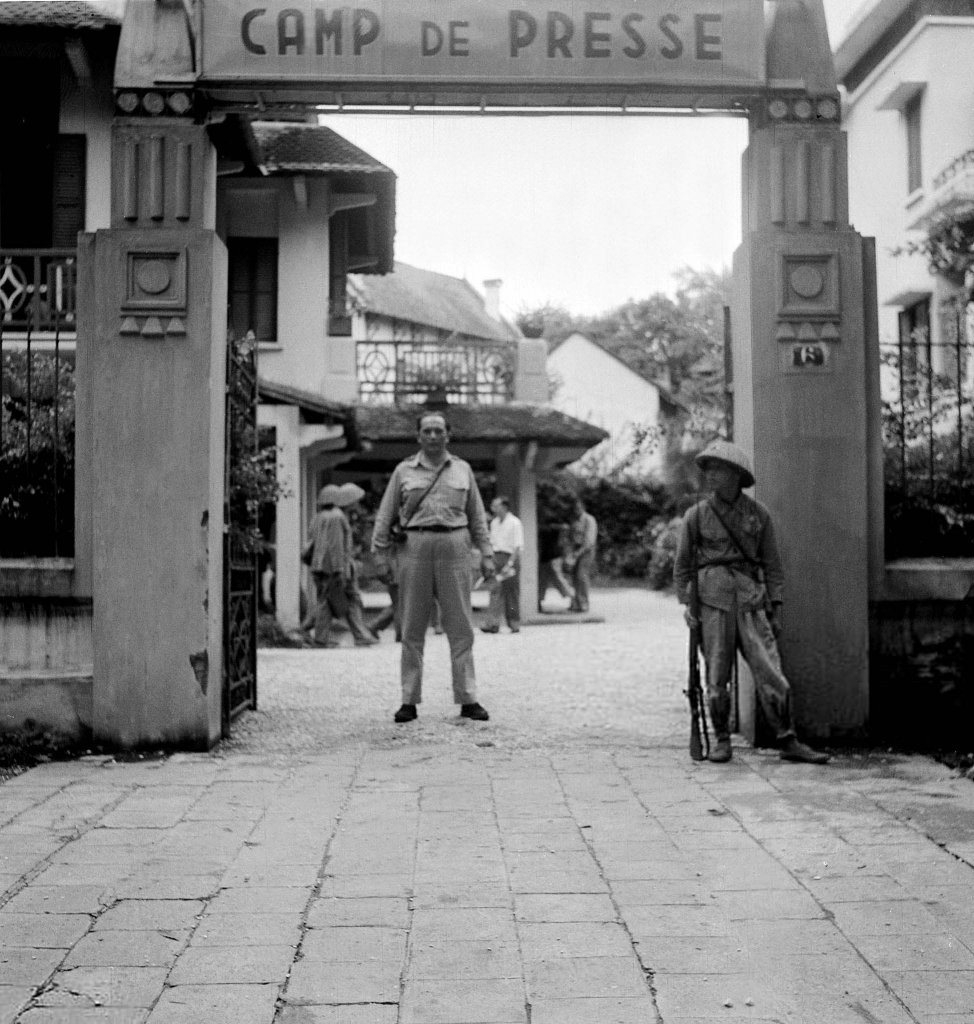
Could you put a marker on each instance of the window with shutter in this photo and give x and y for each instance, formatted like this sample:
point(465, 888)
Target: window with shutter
point(339, 320)
point(914, 152)
point(253, 287)
point(69, 190)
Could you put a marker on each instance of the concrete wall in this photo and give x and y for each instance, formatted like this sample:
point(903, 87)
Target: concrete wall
point(594, 386)
point(922, 670)
point(939, 53)
point(45, 649)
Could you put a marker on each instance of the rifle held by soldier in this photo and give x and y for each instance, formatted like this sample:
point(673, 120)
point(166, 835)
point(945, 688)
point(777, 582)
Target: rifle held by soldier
point(699, 738)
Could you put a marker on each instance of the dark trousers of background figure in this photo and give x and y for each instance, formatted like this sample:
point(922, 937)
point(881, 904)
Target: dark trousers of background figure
point(436, 566)
point(581, 578)
point(550, 575)
point(505, 597)
point(356, 609)
point(338, 598)
point(722, 632)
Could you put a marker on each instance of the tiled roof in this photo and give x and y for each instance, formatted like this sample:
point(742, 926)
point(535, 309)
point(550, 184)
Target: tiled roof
point(513, 421)
point(310, 148)
point(427, 298)
point(71, 14)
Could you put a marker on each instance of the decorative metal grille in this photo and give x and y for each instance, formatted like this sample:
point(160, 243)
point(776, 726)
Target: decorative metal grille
point(38, 289)
point(37, 404)
point(928, 427)
point(404, 371)
point(239, 554)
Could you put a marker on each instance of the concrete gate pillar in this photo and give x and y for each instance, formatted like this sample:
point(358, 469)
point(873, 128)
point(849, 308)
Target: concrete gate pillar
point(803, 330)
point(154, 315)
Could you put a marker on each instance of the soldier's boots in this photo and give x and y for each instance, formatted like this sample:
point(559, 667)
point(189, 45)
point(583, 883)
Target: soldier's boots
point(721, 750)
point(794, 750)
point(719, 703)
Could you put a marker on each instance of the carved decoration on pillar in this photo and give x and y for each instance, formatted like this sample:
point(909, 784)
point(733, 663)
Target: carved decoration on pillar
point(797, 108)
point(809, 311)
point(161, 171)
point(803, 179)
point(155, 103)
point(155, 301)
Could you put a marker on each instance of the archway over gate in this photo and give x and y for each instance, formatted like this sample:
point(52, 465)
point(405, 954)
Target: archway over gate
point(803, 313)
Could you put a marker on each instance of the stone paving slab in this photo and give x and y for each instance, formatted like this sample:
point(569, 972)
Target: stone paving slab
point(328, 867)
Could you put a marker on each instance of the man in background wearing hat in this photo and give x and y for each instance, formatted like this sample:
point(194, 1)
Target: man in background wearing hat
point(727, 541)
point(328, 554)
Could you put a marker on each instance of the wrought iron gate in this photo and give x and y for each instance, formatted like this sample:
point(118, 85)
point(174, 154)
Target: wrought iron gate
point(240, 533)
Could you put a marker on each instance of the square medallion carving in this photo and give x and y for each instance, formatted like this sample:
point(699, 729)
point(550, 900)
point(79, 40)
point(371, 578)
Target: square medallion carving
point(809, 286)
point(155, 282)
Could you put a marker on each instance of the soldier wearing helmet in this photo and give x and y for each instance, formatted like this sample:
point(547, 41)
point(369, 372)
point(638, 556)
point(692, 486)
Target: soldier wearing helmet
point(727, 542)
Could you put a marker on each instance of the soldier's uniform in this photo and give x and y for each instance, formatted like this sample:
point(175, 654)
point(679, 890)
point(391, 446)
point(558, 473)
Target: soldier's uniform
point(731, 547)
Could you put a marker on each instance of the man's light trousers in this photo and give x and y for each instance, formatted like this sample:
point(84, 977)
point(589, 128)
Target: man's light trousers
point(436, 565)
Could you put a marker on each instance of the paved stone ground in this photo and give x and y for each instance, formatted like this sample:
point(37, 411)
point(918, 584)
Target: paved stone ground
point(563, 864)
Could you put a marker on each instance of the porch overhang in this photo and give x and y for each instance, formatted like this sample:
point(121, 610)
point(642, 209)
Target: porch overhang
point(325, 425)
point(544, 437)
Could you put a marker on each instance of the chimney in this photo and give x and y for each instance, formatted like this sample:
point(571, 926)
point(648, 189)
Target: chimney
point(492, 298)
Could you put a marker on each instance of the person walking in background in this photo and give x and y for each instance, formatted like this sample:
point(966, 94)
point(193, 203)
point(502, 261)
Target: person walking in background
point(433, 500)
point(551, 546)
point(727, 550)
point(328, 554)
point(583, 532)
point(349, 495)
point(507, 541)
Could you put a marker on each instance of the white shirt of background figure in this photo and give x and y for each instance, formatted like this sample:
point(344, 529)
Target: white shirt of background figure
point(506, 534)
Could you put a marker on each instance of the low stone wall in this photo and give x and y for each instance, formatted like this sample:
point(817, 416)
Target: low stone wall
point(922, 656)
point(45, 649)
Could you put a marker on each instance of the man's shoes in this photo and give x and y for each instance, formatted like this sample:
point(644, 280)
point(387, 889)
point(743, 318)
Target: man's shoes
point(515, 629)
point(367, 641)
point(795, 750)
point(474, 711)
point(324, 643)
point(490, 629)
point(407, 713)
point(721, 750)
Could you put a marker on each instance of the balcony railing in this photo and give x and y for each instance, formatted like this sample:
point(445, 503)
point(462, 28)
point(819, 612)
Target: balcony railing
point(38, 289)
point(37, 307)
point(394, 372)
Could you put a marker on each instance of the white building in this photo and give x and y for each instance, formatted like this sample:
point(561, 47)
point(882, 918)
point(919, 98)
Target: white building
point(593, 384)
point(907, 67)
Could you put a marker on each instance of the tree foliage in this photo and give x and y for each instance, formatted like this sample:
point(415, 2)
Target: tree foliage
point(36, 456)
point(674, 340)
point(928, 426)
point(948, 246)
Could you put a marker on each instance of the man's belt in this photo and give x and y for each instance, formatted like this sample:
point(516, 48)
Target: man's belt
point(433, 529)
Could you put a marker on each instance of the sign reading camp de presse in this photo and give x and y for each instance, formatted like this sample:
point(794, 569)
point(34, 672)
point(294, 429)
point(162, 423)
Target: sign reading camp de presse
point(686, 42)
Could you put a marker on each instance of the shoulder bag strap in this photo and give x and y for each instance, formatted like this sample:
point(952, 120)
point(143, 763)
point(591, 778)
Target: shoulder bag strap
point(732, 537)
point(425, 495)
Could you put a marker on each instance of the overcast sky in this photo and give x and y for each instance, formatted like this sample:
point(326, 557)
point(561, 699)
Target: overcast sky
point(583, 212)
